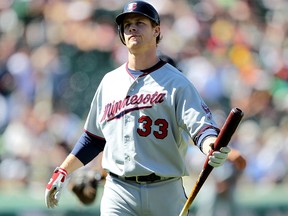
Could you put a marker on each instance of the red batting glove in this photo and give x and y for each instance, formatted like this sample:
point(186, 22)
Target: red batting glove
point(54, 187)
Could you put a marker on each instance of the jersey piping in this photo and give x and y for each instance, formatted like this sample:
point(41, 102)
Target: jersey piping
point(148, 70)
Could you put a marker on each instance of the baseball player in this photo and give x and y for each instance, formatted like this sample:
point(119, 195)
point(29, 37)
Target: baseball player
point(140, 116)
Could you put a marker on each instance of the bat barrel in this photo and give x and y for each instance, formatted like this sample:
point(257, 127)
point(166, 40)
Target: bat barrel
point(228, 128)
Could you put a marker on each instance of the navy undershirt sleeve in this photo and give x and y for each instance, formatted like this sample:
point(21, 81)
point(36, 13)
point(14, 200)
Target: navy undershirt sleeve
point(88, 147)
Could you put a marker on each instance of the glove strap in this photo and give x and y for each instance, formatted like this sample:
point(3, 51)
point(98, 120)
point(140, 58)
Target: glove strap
point(62, 171)
point(57, 172)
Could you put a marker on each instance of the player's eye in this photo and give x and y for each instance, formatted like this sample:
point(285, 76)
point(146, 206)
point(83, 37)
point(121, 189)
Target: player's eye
point(126, 25)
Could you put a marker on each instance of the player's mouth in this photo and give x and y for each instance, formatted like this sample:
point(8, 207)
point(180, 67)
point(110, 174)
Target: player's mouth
point(134, 36)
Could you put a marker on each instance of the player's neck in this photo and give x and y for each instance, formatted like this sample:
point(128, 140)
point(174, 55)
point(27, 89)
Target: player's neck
point(142, 61)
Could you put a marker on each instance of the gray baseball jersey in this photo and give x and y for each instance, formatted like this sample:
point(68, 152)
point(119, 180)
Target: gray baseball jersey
point(145, 120)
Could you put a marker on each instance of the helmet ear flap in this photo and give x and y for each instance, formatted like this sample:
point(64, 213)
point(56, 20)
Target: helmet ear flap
point(121, 33)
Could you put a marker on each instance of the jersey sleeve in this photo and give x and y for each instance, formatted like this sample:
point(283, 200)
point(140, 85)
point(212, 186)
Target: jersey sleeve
point(194, 116)
point(92, 124)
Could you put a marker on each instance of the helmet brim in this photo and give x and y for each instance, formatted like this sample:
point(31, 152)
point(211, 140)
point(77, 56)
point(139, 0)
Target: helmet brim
point(119, 19)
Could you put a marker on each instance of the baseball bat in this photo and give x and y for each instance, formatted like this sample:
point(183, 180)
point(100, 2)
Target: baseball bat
point(222, 140)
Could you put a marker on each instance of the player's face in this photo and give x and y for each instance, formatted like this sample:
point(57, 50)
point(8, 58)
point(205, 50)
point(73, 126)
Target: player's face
point(139, 31)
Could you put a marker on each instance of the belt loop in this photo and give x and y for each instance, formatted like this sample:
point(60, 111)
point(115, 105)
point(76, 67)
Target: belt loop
point(137, 180)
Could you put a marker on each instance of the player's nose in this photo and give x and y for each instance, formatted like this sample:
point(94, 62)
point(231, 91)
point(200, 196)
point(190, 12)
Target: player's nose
point(132, 28)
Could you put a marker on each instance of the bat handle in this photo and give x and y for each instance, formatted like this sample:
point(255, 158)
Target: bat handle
point(184, 212)
point(226, 132)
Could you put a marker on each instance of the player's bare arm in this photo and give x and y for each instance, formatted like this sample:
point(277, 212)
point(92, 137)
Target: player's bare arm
point(71, 163)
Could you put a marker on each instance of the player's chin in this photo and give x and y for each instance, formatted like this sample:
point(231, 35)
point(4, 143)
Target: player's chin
point(133, 44)
point(134, 40)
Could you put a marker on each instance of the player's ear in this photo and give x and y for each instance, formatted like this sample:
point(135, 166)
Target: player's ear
point(156, 31)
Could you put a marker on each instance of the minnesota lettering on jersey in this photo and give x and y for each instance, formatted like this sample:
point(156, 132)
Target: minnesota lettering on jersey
point(117, 109)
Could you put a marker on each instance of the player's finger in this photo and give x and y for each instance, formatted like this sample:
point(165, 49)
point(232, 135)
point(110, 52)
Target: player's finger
point(51, 201)
point(213, 163)
point(47, 198)
point(219, 155)
point(216, 160)
point(47, 202)
point(225, 150)
point(55, 203)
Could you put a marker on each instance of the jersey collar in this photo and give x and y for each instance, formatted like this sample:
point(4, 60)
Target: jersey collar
point(148, 70)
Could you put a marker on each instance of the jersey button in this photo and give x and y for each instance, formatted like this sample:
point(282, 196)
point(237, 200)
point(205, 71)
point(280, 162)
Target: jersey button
point(127, 157)
point(126, 138)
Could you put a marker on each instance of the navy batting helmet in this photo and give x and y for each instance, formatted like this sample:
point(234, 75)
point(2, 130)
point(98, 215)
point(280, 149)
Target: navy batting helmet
point(138, 7)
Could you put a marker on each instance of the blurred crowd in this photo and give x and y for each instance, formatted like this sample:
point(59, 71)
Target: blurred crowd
point(53, 54)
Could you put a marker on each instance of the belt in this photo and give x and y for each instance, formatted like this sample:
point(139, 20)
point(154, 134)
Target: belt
point(152, 178)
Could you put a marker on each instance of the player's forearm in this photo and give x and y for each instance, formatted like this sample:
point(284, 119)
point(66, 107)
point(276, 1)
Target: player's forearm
point(71, 163)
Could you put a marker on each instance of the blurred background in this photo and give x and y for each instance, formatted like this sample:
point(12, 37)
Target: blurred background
point(53, 54)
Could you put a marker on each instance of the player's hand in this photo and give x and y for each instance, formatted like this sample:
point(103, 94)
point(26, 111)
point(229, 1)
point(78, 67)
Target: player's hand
point(54, 187)
point(219, 157)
